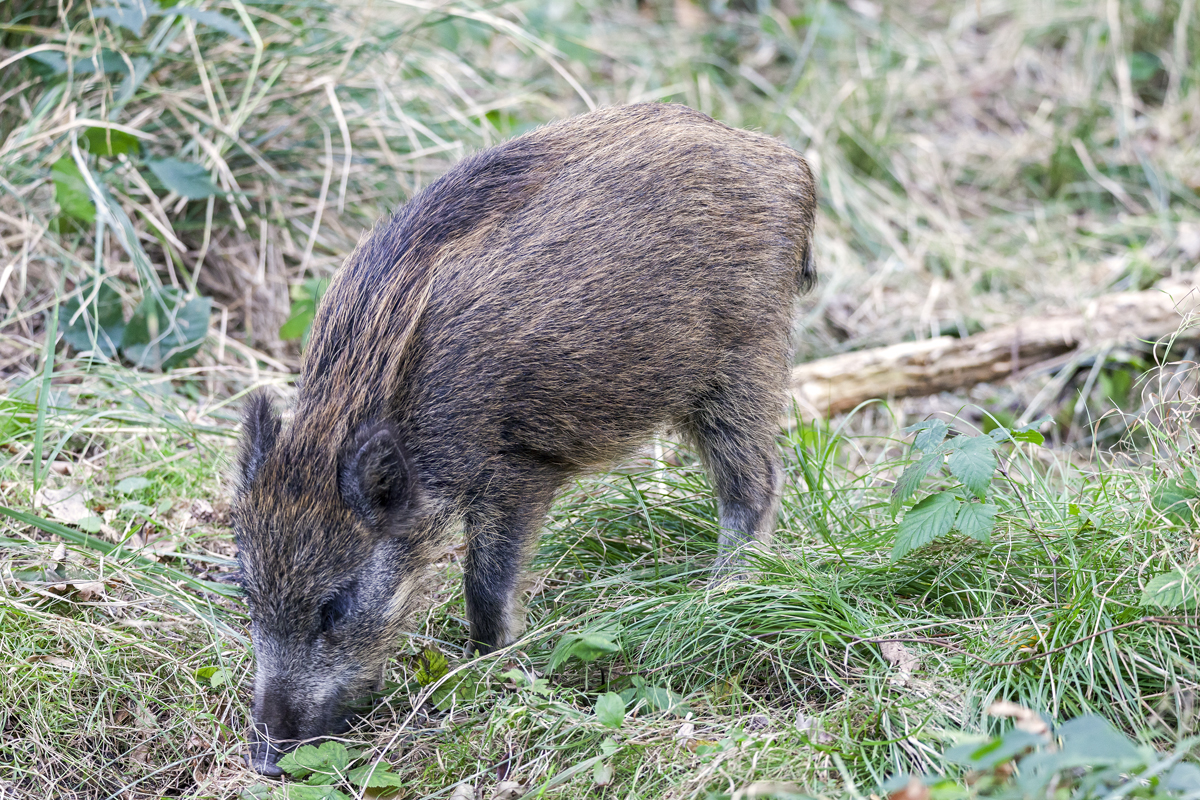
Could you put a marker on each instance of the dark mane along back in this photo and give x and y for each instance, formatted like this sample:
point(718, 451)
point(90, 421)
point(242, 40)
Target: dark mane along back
point(367, 316)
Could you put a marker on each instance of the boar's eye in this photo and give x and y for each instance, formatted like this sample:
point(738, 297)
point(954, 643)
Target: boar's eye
point(336, 608)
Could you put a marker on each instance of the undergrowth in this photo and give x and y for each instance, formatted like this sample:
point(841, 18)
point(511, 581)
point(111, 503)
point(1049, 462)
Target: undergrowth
point(178, 181)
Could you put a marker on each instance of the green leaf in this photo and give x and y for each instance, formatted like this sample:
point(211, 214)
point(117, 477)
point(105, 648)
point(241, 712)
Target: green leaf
point(976, 520)
point(212, 19)
point(213, 676)
point(602, 773)
point(301, 792)
point(131, 485)
point(432, 666)
point(1171, 500)
point(330, 758)
point(374, 776)
point(930, 434)
point(927, 520)
point(101, 323)
point(71, 192)
point(129, 14)
point(973, 461)
point(183, 177)
point(110, 143)
point(1179, 588)
point(305, 300)
point(586, 647)
point(166, 329)
point(910, 479)
point(463, 687)
point(659, 698)
point(610, 710)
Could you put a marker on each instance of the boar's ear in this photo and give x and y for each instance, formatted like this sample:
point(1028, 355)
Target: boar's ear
point(376, 477)
point(260, 429)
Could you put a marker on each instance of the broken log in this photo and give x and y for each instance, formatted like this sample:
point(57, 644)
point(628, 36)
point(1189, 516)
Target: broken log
point(839, 383)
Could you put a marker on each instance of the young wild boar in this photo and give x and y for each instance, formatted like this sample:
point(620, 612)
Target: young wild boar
point(539, 311)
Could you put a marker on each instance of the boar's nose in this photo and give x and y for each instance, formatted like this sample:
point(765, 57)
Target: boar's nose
point(262, 759)
point(276, 730)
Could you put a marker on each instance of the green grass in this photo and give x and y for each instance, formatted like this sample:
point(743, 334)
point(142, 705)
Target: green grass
point(977, 162)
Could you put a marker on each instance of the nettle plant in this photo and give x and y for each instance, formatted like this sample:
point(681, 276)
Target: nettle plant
point(965, 508)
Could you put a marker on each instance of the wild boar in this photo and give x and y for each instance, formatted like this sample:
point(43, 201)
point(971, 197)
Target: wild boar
point(539, 311)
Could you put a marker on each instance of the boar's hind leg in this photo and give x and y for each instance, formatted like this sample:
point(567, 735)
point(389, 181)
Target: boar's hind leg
point(498, 547)
point(736, 439)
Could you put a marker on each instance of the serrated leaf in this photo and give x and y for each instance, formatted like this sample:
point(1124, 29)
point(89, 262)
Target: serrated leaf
point(973, 461)
point(930, 434)
point(71, 192)
point(109, 143)
point(166, 329)
point(927, 520)
point(976, 520)
point(586, 647)
point(374, 776)
point(462, 687)
point(101, 322)
point(183, 177)
point(1179, 588)
point(910, 479)
point(432, 666)
point(610, 710)
point(301, 792)
point(330, 758)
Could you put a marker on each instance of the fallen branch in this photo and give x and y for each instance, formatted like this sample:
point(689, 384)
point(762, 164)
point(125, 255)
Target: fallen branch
point(832, 385)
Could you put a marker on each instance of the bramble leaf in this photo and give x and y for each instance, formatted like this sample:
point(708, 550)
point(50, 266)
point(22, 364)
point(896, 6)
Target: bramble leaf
point(973, 461)
point(1178, 588)
point(910, 479)
point(927, 520)
point(183, 177)
point(930, 434)
point(976, 520)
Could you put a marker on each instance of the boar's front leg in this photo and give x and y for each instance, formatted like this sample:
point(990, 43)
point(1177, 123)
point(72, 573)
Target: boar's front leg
point(499, 545)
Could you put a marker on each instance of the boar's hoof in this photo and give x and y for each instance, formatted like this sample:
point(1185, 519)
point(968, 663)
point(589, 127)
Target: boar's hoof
point(262, 760)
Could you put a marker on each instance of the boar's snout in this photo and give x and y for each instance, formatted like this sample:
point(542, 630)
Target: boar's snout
point(283, 720)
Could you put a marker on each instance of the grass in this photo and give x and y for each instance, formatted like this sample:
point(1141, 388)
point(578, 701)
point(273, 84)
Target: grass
point(978, 162)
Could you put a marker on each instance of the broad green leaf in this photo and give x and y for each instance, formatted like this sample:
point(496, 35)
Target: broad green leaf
point(610, 709)
point(976, 520)
point(301, 792)
point(1182, 777)
point(374, 776)
point(102, 322)
point(910, 479)
point(71, 192)
point(973, 461)
point(306, 298)
point(131, 485)
point(1092, 741)
point(330, 758)
point(1171, 500)
point(432, 666)
point(659, 698)
point(602, 773)
point(166, 329)
point(461, 687)
point(930, 434)
point(109, 143)
point(585, 646)
point(927, 520)
point(1179, 588)
point(183, 177)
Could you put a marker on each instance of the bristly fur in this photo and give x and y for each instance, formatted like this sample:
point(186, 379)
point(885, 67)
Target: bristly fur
point(538, 311)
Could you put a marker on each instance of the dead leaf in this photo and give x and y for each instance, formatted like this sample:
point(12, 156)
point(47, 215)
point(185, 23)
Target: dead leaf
point(464, 791)
point(915, 790)
point(62, 467)
point(508, 790)
point(1026, 719)
point(685, 731)
point(903, 659)
point(60, 552)
point(67, 505)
